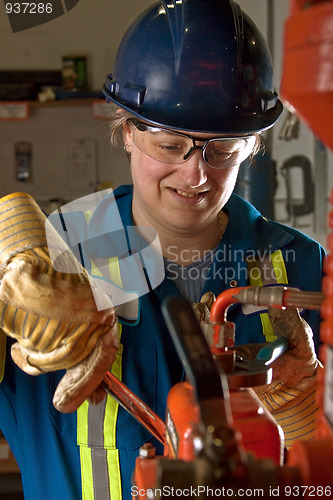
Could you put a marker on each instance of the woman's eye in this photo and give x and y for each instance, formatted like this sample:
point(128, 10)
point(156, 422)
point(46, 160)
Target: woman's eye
point(171, 147)
point(221, 154)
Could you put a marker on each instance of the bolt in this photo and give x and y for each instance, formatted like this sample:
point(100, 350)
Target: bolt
point(147, 450)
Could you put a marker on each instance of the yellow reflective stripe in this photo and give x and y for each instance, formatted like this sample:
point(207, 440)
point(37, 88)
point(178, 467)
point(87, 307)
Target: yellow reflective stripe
point(114, 267)
point(255, 277)
point(115, 271)
point(87, 216)
point(94, 270)
point(282, 279)
point(114, 474)
point(110, 418)
point(254, 273)
point(111, 411)
point(267, 328)
point(277, 274)
point(82, 429)
point(87, 480)
point(279, 267)
point(85, 451)
point(109, 431)
point(110, 423)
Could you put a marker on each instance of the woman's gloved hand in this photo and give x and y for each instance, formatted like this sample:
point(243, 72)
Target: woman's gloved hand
point(202, 309)
point(49, 313)
point(291, 396)
point(300, 360)
point(52, 315)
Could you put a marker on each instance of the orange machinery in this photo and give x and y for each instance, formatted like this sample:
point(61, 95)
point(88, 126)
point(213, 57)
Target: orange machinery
point(307, 88)
point(217, 436)
point(219, 440)
point(307, 81)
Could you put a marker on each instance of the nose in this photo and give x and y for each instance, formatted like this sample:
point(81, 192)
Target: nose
point(193, 171)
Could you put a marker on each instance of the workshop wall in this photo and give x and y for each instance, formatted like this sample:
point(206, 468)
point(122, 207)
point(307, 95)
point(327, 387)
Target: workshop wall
point(93, 29)
point(61, 135)
point(293, 178)
point(299, 159)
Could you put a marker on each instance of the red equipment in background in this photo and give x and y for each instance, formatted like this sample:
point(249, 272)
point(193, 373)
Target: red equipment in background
point(307, 86)
point(307, 82)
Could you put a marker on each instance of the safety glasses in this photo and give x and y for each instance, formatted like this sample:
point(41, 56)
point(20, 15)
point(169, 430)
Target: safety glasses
point(171, 147)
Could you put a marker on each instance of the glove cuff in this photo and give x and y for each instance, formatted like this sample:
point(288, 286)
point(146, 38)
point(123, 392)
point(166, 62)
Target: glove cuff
point(22, 225)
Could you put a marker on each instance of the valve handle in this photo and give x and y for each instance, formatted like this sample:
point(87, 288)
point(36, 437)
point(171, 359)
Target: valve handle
point(208, 380)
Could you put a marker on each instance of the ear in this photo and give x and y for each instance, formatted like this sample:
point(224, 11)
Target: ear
point(128, 132)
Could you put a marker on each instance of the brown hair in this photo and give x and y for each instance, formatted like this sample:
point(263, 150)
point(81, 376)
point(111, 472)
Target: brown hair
point(117, 118)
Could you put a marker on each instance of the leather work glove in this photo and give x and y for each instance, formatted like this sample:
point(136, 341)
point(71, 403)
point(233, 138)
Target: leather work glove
point(52, 315)
point(291, 397)
point(300, 361)
point(202, 309)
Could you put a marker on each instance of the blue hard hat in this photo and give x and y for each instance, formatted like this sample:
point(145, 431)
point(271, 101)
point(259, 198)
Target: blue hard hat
point(195, 65)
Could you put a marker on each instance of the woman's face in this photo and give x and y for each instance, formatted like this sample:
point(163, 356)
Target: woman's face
point(177, 197)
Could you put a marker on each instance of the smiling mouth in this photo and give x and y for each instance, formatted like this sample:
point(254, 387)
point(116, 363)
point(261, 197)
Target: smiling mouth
point(187, 195)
